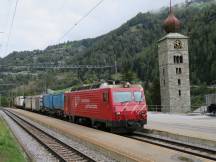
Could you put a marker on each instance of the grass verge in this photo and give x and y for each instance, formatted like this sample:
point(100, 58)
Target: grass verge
point(9, 149)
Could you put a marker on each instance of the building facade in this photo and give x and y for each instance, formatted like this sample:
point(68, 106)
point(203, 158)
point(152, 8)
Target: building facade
point(174, 73)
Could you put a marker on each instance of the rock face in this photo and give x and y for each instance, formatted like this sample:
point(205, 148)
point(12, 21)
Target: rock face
point(174, 73)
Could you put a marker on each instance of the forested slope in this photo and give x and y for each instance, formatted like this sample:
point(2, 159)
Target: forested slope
point(134, 46)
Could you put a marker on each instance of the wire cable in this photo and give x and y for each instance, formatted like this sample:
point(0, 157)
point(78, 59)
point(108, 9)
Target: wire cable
point(80, 20)
point(3, 40)
point(11, 26)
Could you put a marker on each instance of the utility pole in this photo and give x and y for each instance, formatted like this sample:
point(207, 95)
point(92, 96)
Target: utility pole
point(116, 67)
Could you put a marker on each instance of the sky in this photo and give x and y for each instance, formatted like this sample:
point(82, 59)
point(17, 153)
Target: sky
point(40, 23)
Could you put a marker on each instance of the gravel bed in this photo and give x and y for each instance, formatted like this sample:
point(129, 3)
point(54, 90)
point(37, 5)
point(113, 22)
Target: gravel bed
point(97, 156)
point(33, 149)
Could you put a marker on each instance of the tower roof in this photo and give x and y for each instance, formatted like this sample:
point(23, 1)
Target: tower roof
point(171, 24)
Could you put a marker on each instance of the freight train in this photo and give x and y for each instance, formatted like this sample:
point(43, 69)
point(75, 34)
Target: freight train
point(120, 108)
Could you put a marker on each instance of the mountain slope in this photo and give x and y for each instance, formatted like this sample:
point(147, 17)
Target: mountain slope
point(134, 46)
point(134, 43)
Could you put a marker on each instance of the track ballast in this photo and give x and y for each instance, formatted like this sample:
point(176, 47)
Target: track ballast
point(191, 149)
point(60, 150)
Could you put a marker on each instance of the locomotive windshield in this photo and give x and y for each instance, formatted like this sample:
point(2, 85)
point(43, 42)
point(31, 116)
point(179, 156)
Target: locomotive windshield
point(122, 97)
point(138, 96)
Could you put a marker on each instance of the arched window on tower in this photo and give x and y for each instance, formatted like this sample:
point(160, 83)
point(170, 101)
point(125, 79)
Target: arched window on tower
point(181, 59)
point(178, 59)
point(179, 81)
point(178, 70)
point(174, 59)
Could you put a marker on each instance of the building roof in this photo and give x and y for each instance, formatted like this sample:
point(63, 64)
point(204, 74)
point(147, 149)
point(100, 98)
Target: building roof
point(171, 23)
point(174, 36)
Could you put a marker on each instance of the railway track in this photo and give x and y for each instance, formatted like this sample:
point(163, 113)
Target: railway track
point(208, 153)
point(62, 151)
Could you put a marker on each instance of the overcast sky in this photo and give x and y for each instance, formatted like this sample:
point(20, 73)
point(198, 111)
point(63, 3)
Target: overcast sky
point(39, 23)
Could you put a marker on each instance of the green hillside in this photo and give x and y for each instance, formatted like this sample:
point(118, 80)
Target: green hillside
point(133, 45)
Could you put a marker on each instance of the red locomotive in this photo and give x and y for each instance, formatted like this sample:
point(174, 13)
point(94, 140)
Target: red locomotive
point(119, 108)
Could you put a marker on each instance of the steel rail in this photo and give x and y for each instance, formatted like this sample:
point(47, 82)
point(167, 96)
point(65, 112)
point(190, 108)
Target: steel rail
point(175, 145)
point(60, 150)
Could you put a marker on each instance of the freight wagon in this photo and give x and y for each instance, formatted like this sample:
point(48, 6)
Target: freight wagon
point(211, 103)
point(58, 101)
point(36, 103)
point(54, 102)
point(117, 108)
point(28, 102)
point(19, 101)
point(47, 101)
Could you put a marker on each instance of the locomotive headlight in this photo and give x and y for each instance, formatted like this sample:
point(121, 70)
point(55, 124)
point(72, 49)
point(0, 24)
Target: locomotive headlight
point(118, 113)
point(142, 113)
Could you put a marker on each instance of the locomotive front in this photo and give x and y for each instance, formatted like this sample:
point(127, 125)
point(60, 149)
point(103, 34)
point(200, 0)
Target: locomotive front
point(129, 109)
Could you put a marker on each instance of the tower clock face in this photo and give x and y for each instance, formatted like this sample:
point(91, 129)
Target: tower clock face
point(178, 44)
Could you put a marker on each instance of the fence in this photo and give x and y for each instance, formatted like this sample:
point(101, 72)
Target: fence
point(183, 109)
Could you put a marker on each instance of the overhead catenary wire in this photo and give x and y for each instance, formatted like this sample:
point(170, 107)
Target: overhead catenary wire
point(2, 32)
point(11, 25)
point(80, 20)
point(50, 66)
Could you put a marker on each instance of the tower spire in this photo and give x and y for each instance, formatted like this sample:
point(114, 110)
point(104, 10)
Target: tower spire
point(171, 24)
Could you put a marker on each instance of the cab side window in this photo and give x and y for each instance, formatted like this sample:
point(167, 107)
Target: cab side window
point(105, 97)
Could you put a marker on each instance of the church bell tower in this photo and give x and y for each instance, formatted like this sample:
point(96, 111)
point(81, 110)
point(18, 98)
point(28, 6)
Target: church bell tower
point(174, 67)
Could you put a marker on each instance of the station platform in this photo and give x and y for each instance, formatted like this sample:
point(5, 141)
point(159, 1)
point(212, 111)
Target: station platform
point(120, 148)
point(197, 126)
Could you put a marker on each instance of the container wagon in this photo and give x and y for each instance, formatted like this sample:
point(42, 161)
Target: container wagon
point(54, 104)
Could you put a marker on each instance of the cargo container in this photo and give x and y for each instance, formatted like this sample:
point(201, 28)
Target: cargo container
point(36, 103)
point(19, 101)
point(54, 101)
point(28, 102)
point(58, 101)
point(47, 101)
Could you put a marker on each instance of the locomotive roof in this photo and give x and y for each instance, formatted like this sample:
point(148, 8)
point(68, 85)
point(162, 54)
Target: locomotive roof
point(107, 85)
